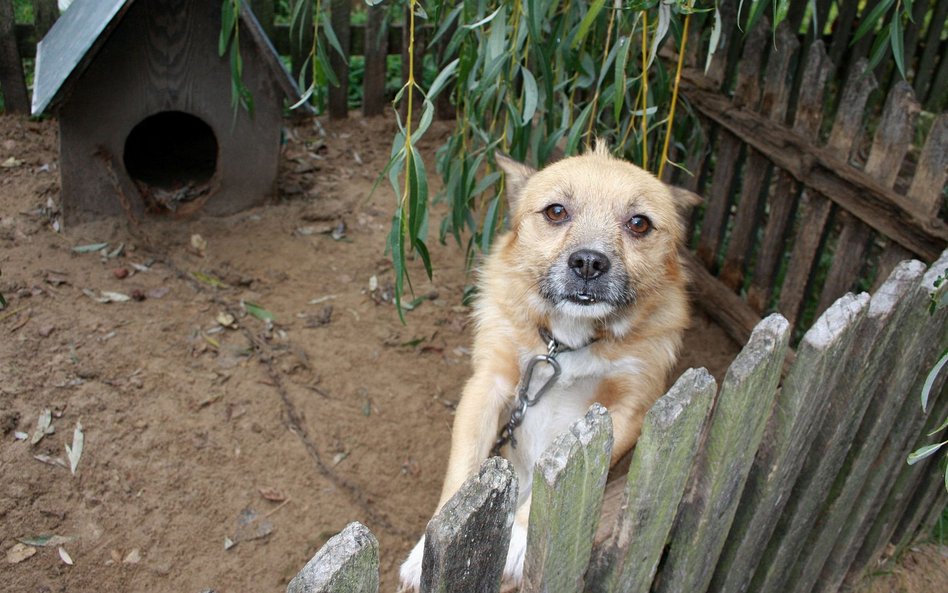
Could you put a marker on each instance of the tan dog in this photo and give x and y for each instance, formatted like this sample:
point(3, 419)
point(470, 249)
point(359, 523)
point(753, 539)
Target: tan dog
point(590, 261)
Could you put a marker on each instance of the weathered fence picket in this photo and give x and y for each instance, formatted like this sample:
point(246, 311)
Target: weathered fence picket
point(803, 397)
point(859, 373)
point(466, 542)
point(627, 560)
point(891, 305)
point(724, 459)
point(347, 563)
point(885, 437)
point(567, 493)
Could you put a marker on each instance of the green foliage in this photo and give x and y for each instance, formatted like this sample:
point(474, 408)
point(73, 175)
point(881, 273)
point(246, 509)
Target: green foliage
point(229, 41)
point(939, 300)
point(887, 22)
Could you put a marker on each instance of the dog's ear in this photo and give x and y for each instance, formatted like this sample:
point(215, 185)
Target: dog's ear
point(515, 176)
point(685, 200)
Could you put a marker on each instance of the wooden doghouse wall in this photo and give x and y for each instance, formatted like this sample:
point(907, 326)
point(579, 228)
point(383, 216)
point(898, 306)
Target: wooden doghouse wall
point(163, 57)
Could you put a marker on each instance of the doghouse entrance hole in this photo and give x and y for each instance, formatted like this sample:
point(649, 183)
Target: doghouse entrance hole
point(171, 151)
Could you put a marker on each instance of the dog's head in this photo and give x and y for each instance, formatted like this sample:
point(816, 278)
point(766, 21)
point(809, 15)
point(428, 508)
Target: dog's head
point(592, 233)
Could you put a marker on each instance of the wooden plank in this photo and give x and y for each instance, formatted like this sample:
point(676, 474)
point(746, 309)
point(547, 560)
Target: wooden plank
point(12, 81)
point(927, 63)
point(736, 429)
point(568, 484)
point(773, 104)
point(894, 416)
point(718, 206)
point(814, 211)
point(865, 365)
point(339, 95)
point(853, 241)
point(931, 174)
point(893, 136)
point(848, 259)
point(825, 172)
point(905, 483)
point(347, 563)
point(466, 542)
point(900, 292)
point(843, 30)
point(661, 463)
point(373, 85)
point(789, 431)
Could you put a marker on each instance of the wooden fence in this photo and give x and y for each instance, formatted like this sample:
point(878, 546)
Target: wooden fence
point(763, 484)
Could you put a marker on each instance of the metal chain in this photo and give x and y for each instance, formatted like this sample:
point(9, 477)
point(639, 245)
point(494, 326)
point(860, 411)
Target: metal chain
point(524, 400)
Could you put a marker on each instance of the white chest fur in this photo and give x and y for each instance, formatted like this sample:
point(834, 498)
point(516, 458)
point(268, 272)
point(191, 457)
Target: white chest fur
point(568, 400)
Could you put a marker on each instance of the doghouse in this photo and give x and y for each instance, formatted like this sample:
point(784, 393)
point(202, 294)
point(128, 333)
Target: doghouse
point(144, 106)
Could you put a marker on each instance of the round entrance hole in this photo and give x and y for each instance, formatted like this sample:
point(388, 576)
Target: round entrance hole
point(171, 151)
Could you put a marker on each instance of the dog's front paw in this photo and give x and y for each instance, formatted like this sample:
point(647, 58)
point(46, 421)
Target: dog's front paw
point(410, 572)
point(513, 569)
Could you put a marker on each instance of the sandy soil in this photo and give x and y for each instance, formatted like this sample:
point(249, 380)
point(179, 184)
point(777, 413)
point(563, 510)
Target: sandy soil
point(267, 438)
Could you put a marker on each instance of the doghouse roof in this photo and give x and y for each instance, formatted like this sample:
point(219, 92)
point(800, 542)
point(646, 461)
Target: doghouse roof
point(81, 31)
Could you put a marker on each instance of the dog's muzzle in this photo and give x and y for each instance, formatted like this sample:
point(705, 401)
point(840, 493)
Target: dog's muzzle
point(587, 277)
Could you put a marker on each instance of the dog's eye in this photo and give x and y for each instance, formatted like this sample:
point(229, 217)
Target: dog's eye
point(639, 225)
point(556, 213)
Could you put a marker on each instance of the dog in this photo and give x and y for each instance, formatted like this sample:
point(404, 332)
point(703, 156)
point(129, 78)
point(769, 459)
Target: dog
point(588, 271)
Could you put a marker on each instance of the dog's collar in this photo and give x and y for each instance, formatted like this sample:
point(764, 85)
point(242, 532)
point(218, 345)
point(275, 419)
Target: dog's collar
point(555, 347)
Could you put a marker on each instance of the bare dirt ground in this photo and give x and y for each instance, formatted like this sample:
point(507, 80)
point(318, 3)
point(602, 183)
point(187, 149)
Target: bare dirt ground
point(220, 451)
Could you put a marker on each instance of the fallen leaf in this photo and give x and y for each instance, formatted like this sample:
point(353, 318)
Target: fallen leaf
point(338, 458)
point(64, 555)
point(90, 248)
point(116, 252)
point(373, 283)
point(51, 460)
point(115, 555)
point(229, 543)
point(19, 552)
point(257, 311)
point(133, 557)
point(44, 426)
point(120, 273)
point(41, 541)
point(140, 267)
point(115, 297)
point(11, 162)
point(20, 436)
point(272, 494)
point(75, 452)
point(56, 279)
point(209, 280)
point(338, 232)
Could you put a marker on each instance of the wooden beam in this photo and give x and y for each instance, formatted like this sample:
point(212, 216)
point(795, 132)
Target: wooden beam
point(822, 170)
point(348, 563)
point(12, 82)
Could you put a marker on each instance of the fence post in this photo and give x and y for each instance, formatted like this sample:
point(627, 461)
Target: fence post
point(347, 563)
point(726, 455)
point(12, 82)
point(339, 95)
point(568, 485)
point(376, 51)
point(661, 464)
point(805, 391)
point(466, 542)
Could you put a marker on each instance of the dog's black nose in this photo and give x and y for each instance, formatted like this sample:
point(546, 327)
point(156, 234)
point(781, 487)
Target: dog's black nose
point(588, 264)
